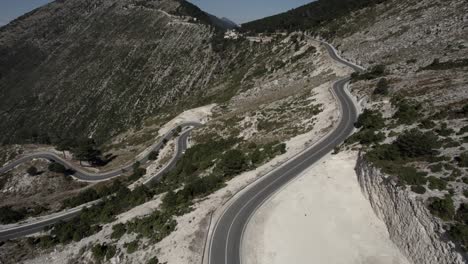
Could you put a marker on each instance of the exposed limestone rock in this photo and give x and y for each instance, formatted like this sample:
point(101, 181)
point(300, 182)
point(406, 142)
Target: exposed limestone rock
point(417, 233)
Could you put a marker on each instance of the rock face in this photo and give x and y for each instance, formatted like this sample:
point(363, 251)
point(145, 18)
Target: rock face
point(97, 67)
point(417, 233)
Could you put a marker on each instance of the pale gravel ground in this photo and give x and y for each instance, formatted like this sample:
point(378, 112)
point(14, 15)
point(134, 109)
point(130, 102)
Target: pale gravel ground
point(321, 217)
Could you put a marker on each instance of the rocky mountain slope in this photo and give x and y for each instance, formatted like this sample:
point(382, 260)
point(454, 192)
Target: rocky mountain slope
point(94, 68)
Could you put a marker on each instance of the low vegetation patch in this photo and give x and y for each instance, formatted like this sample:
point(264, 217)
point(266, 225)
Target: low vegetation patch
point(373, 73)
point(369, 122)
point(103, 252)
point(442, 207)
point(408, 111)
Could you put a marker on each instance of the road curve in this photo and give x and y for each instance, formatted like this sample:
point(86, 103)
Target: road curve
point(39, 225)
point(83, 175)
point(225, 241)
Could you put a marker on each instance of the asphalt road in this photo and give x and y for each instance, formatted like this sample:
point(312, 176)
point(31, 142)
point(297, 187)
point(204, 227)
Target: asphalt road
point(83, 175)
point(37, 226)
point(226, 238)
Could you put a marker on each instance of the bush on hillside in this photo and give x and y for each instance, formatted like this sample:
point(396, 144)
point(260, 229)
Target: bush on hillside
point(459, 233)
point(153, 155)
point(233, 162)
point(153, 260)
point(419, 189)
point(32, 171)
point(411, 176)
point(366, 137)
point(370, 119)
point(103, 252)
point(442, 207)
point(374, 72)
point(463, 159)
point(382, 87)
point(57, 168)
point(118, 231)
point(417, 144)
point(436, 183)
point(9, 215)
point(408, 111)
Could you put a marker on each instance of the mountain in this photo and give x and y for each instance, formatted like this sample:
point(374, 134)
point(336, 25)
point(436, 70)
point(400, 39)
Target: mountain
point(308, 16)
point(222, 23)
point(94, 68)
point(229, 22)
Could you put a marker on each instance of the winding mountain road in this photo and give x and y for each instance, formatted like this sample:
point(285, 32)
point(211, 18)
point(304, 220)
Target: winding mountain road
point(226, 238)
point(83, 175)
point(39, 225)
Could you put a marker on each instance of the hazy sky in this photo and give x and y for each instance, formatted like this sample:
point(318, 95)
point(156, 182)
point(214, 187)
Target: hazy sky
point(237, 10)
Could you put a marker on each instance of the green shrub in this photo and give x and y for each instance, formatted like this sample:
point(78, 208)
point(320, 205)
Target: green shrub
point(9, 215)
point(233, 162)
point(463, 159)
point(118, 231)
point(462, 213)
point(382, 87)
point(92, 194)
point(436, 183)
point(416, 144)
point(459, 234)
point(442, 207)
point(370, 119)
point(155, 226)
point(418, 189)
point(464, 110)
point(465, 193)
point(103, 251)
point(83, 197)
point(436, 167)
point(153, 260)
point(385, 152)
point(57, 167)
point(463, 130)
point(444, 130)
point(366, 137)
point(32, 171)
point(408, 111)
point(137, 174)
point(132, 247)
point(456, 173)
point(374, 72)
point(411, 176)
point(449, 142)
point(87, 150)
point(153, 155)
point(427, 124)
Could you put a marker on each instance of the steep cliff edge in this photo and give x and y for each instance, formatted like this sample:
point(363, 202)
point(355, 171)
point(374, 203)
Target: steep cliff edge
point(418, 234)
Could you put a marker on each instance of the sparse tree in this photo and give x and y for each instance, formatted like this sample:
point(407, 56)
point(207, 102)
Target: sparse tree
point(153, 155)
point(87, 151)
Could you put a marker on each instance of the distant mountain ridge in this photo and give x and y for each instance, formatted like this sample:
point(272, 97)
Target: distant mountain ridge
point(308, 16)
point(222, 23)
